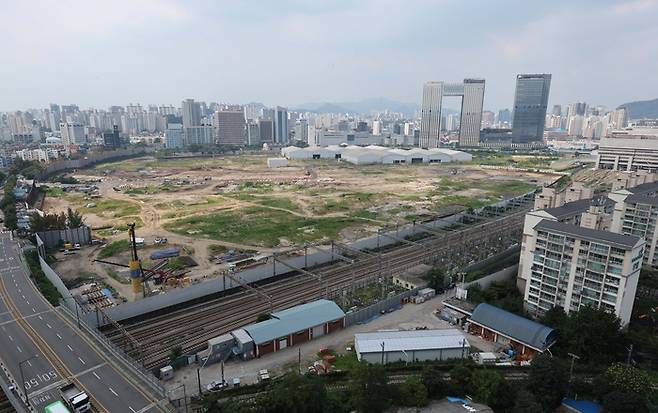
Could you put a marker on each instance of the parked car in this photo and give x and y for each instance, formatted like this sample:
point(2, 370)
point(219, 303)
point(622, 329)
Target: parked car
point(216, 386)
point(160, 240)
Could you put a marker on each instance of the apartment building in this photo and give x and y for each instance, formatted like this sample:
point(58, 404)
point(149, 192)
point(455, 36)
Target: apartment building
point(635, 213)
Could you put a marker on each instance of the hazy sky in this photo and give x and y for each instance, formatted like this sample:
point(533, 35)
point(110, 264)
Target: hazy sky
point(288, 52)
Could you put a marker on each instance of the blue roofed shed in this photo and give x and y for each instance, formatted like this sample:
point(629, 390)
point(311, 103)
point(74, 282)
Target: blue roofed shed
point(527, 337)
point(296, 325)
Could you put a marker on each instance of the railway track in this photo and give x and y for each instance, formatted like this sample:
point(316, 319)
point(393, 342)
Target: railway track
point(192, 326)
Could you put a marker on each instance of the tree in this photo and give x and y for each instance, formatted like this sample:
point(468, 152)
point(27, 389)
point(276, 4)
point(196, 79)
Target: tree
point(526, 403)
point(599, 343)
point(412, 393)
point(628, 379)
point(175, 353)
point(432, 379)
point(460, 379)
point(294, 394)
point(621, 402)
point(436, 278)
point(368, 388)
point(555, 318)
point(73, 219)
point(548, 379)
point(485, 384)
point(504, 397)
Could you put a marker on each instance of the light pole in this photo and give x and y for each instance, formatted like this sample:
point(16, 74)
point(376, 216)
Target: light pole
point(20, 368)
point(573, 360)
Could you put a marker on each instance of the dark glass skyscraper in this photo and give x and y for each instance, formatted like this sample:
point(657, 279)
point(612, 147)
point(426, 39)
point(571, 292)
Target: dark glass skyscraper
point(530, 103)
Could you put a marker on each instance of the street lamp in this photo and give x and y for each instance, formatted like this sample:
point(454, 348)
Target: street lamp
point(573, 359)
point(20, 368)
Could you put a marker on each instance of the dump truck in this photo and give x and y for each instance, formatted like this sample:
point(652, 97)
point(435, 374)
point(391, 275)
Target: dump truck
point(75, 398)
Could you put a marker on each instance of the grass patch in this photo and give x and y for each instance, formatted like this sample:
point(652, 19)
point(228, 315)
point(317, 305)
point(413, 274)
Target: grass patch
point(113, 208)
point(346, 361)
point(276, 202)
point(116, 277)
point(54, 192)
point(260, 226)
point(42, 282)
point(114, 248)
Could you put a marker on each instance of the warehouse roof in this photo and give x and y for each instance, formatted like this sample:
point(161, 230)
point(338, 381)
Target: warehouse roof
point(595, 235)
point(578, 207)
point(521, 329)
point(409, 340)
point(294, 319)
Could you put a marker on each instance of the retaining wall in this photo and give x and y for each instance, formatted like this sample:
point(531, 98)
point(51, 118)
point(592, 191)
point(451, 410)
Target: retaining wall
point(52, 239)
point(502, 275)
point(68, 164)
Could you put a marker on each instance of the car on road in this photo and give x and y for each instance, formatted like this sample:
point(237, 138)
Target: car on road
point(160, 240)
point(216, 386)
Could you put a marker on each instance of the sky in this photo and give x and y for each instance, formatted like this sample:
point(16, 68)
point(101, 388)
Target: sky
point(97, 53)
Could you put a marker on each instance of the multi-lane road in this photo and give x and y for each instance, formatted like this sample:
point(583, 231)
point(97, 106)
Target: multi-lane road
point(51, 351)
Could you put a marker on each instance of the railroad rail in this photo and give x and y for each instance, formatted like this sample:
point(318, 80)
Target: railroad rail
point(191, 327)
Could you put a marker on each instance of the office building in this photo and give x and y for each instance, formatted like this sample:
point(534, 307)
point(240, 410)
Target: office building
point(619, 118)
point(530, 103)
point(266, 130)
point(73, 133)
point(377, 127)
point(174, 136)
point(112, 139)
point(230, 126)
point(280, 125)
point(191, 113)
point(629, 150)
point(504, 117)
point(472, 93)
point(253, 133)
point(301, 130)
point(199, 135)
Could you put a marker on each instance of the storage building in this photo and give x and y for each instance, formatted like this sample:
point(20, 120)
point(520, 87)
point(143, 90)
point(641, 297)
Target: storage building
point(276, 162)
point(410, 346)
point(296, 325)
point(526, 337)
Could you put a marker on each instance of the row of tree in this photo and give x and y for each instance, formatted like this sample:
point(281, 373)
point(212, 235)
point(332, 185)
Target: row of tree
point(8, 202)
point(70, 219)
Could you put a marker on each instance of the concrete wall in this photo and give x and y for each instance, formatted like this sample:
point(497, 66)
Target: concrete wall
point(502, 275)
point(69, 164)
point(81, 235)
point(375, 309)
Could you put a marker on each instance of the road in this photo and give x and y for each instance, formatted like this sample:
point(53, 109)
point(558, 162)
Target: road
point(32, 327)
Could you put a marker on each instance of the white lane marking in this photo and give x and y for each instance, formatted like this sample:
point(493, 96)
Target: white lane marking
point(40, 318)
point(10, 338)
point(19, 290)
point(96, 375)
point(49, 326)
point(81, 360)
point(33, 310)
point(28, 303)
point(70, 348)
point(58, 336)
point(29, 363)
point(20, 350)
point(23, 297)
point(131, 409)
point(113, 392)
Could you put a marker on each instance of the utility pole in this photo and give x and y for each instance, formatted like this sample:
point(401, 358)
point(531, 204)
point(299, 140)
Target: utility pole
point(382, 353)
point(299, 360)
point(573, 360)
point(630, 353)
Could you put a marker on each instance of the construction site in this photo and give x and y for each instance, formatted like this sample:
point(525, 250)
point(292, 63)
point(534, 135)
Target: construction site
point(230, 257)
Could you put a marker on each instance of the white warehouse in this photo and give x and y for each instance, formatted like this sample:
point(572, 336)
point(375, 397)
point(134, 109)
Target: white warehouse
point(373, 154)
point(410, 346)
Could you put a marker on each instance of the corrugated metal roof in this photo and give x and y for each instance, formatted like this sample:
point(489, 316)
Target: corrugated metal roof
point(595, 235)
point(409, 340)
point(521, 329)
point(294, 319)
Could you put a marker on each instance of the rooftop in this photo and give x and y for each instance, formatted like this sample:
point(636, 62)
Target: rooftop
point(294, 319)
point(578, 207)
point(521, 329)
point(409, 340)
point(595, 235)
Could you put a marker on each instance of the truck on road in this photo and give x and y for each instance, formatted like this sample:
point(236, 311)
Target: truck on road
point(75, 398)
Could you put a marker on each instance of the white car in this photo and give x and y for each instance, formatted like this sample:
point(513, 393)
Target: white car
point(216, 386)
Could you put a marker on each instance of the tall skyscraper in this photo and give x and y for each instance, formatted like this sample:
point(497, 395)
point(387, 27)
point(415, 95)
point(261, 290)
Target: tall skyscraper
point(280, 125)
point(471, 115)
point(301, 130)
point(266, 130)
point(73, 133)
point(230, 127)
point(530, 103)
point(191, 113)
point(174, 136)
point(430, 115)
point(620, 118)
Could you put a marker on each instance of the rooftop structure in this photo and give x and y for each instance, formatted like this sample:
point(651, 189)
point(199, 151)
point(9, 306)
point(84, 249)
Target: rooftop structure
point(413, 345)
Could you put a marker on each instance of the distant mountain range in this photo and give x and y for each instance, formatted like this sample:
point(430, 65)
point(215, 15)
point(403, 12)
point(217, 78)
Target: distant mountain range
point(362, 106)
point(642, 109)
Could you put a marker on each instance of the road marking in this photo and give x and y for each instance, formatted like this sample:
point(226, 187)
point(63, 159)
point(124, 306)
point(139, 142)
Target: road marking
point(10, 338)
point(96, 375)
point(20, 350)
point(132, 410)
point(58, 336)
point(113, 392)
point(23, 297)
point(19, 290)
point(40, 318)
point(49, 326)
point(28, 303)
point(29, 363)
point(81, 360)
point(70, 348)
point(33, 310)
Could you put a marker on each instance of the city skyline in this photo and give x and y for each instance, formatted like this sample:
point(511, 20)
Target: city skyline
point(112, 59)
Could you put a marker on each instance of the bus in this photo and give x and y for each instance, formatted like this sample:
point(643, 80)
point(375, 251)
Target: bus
point(57, 407)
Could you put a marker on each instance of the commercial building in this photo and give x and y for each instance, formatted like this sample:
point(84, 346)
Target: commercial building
point(635, 213)
point(629, 150)
point(280, 125)
point(266, 130)
point(528, 338)
point(530, 103)
point(567, 265)
point(191, 113)
point(230, 126)
point(112, 139)
point(73, 133)
point(199, 135)
point(411, 346)
point(174, 136)
point(296, 325)
point(472, 93)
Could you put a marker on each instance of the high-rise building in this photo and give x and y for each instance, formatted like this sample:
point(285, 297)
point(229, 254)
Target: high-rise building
point(266, 130)
point(472, 94)
point(199, 135)
point(620, 118)
point(575, 127)
point(112, 139)
point(301, 130)
point(253, 133)
point(430, 118)
point(557, 110)
point(377, 127)
point(191, 113)
point(504, 117)
point(174, 136)
point(280, 125)
point(73, 133)
point(488, 118)
point(530, 104)
point(230, 126)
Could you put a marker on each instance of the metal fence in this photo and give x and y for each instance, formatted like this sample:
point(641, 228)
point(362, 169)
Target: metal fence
point(55, 238)
point(373, 310)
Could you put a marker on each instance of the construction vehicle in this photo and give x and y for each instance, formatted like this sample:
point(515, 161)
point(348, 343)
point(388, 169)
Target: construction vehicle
point(57, 407)
point(76, 399)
